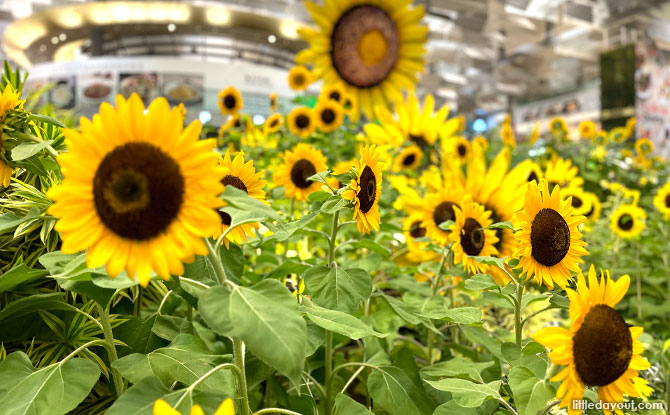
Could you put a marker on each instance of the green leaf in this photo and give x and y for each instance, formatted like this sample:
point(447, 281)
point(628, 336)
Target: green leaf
point(213, 305)
point(333, 204)
point(468, 394)
point(338, 322)
point(283, 231)
point(344, 405)
point(502, 225)
point(478, 335)
point(446, 225)
point(338, 289)
point(480, 282)
point(18, 275)
point(241, 216)
point(46, 119)
point(55, 390)
point(287, 268)
point(542, 393)
point(393, 391)
point(559, 301)
point(232, 260)
point(489, 260)
point(403, 310)
point(319, 196)
point(319, 177)
point(241, 200)
point(137, 334)
point(457, 367)
point(511, 351)
point(372, 246)
point(463, 315)
point(27, 150)
point(134, 367)
point(452, 408)
point(9, 220)
point(522, 381)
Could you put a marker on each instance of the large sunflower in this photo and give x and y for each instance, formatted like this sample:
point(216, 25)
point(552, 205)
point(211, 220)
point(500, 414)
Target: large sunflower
point(328, 114)
point(300, 164)
point(366, 189)
point(600, 349)
point(550, 246)
point(299, 78)
point(301, 121)
point(561, 172)
point(243, 176)
point(230, 101)
point(273, 123)
point(662, 200)
point(375, 48)
point(439, 207)
point(408, 159)
point(419, 125)
point(628, 221)
point(456, 148)
point(161, 407)
point(9, 99)
point(469, 236)
point(140, 191)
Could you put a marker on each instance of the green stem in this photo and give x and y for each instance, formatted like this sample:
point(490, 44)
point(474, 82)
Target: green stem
point(333, 235)
point(214, 259)
point(238, 353)
point(435, 285)
point(275, 411)
point(517, 313)
point(329, 335)
point(638, 282)
point(290, 216)
point(109, 338)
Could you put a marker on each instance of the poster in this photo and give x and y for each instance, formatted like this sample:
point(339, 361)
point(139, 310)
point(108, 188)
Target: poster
point(652, 93)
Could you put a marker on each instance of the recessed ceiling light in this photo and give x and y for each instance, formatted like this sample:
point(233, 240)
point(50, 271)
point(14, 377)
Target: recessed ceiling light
point(62, 37)
point(272, 38)
point(54, 40)
point(171, 27)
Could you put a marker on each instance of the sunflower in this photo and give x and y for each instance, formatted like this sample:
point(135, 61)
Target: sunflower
point(593, 214)
point(534, 171)
point(550, 245)
point(618, 135)
point(628, 221)
point(9, 99)
point(374, 48)
point(587, 129)
point(342, 167)
point(299, 78)
point(301, 163)
point(662, 200)
point(366, 189)
point(558, 126)
point(456, 148)
point(600, 138)
point(408, 159)
point(334, 92)
point(561, 172)
point(230, 101)
point(631, 125)
point(301, 121)
point(507, 135)
point(328, 115)
point(273, 102)
point(350, 107)
point(600, 349)
point(242, 176)
point(239, 122)
point(273, 123)
point(578, 199)
point(469, 236)
point(439, 207)
point(140, 191)
point(412, 229)
point(163, 408)
point(644, 146)
point(481, 141)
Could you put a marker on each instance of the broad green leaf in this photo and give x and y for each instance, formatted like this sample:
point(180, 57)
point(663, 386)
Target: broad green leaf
point(446, 225)
point(466, 393)
point(319, 177)
point(213, 305)
point(338, 289)
point(137, 334)
point(26, 150)
point(18, 320)
point(319, 196)
point(241, 200)
point(463, 315)
point(372, 246)
point(140, 398)
point(542, 393)
point(286, 268)
point(511, 351)
point(502, 225)
point(452, 408)
point(134, 367)
point(170, 327)
point(283, 231)
point(559, 301)
point(344, 405)
point(46, 119)
point(457, 367)
point(393, 391)
point(489, 260)
point(333, 204)
point(480, 282)
point(232, 260)
point(478, 335)
point(338, 322)
point(522, 381)
point(55, 389)
point(18, 275)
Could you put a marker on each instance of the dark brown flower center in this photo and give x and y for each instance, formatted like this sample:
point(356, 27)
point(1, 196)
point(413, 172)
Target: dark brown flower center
point(274, 122)
point(237, 123)
point(368, 190)
point(301, 171)
point(416, 230)
point(229, 101)
point(302, 121)
point(328, 116)
point(335, 96)
point(365, 46)
point(472, 237)
point(138, 191)
point(577, 202)
point(236, 182)
point(626, 222)
point(602, 347)
point(533, 176)
point(409, 160)
point(299, 80)
point(549, 237)
point(418, 140)
point(462, 150)
point(667, 200)
point(444, 212)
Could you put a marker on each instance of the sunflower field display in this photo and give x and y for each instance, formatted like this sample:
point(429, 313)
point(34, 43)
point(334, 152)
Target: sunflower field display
point(359, 252)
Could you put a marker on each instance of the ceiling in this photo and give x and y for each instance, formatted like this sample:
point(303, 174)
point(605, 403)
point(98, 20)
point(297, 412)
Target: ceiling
point(480, 52)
